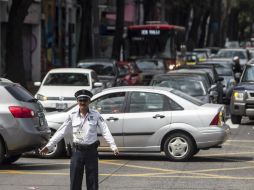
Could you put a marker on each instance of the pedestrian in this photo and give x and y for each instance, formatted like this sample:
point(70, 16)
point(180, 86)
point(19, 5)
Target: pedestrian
point(237, 66)
point(83, 122)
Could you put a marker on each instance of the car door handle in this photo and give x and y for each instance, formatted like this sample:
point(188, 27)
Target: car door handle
point(112, 119)
point(158, 116)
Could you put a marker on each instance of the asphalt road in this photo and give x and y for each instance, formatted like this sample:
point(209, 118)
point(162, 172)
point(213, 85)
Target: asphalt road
point(228, 168)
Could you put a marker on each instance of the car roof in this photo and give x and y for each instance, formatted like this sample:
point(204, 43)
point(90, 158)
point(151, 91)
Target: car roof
point(233, 49)
point(175, 74)
point(72, 70)
point(138, 88)
point(5, 80)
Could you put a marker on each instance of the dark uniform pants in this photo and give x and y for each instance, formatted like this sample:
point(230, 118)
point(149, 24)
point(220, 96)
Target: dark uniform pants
point(87, 158)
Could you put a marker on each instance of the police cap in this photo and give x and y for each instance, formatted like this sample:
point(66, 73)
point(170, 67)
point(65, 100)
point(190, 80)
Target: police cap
point(81, 94)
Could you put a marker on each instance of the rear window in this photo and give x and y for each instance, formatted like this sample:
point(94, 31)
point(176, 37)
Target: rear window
point(19, 93)
point(188, 97)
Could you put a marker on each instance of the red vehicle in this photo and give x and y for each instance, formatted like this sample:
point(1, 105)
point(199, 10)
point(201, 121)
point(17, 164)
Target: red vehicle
point(156, 41)
point(132, 75)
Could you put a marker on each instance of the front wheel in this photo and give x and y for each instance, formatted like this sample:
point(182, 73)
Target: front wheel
point(179, 147)
point(11, 159)
point(2, 150)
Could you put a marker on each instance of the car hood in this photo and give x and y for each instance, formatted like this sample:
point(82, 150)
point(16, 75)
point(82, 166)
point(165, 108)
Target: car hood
point(56, 91)
point(245, 86)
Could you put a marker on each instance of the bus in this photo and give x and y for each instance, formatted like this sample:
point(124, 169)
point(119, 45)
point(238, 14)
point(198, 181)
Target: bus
point(156, 41)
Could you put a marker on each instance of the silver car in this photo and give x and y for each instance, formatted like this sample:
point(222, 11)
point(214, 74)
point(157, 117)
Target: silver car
point(22, 122)
point(155, 119)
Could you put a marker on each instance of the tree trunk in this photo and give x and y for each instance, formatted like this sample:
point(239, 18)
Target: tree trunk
point(118, 38)
point(149, 10)
point(14, 52)
point(85, 42)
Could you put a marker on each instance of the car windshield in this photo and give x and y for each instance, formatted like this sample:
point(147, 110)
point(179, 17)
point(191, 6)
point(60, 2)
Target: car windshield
point(186, 85)
point(101, 68)
point(248, 75)
point(67, 79)
point(230, 54)
point(188, 97)
point(150, 65)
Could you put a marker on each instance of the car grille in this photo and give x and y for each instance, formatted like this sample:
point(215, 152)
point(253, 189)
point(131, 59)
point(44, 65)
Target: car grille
point(249, 106)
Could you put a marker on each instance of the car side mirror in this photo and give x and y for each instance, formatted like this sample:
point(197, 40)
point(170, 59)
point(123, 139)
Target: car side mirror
point(214, 95)
point(37, 83)
point(212, 88)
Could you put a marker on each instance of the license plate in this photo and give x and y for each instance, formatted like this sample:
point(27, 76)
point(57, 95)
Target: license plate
point(61, 106)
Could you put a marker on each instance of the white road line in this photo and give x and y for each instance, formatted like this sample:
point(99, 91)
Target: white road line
point(231, 125)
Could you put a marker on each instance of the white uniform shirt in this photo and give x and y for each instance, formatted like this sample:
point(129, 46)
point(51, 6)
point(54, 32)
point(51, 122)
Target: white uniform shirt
point(84, 129)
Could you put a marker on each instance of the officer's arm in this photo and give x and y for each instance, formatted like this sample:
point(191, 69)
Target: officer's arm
point(106, 133)
point(60, 133)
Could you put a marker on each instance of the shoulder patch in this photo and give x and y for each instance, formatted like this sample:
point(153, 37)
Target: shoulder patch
point(101, 119)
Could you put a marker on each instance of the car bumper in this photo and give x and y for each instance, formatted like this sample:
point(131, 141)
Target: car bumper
point(57, 105)
point(214, 136)
point(242, 109)
point(29, 141)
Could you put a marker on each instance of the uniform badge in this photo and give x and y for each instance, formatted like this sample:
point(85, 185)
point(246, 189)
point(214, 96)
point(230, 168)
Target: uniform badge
point(91, 118)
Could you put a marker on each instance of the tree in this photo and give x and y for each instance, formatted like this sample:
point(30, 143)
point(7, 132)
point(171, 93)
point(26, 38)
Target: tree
point(14, 52)
point(118, 38)
point(85, 43)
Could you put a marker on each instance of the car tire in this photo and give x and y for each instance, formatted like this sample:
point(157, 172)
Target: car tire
point(236, 119)
point(179, 147)
point(196, 150)
point(2, 151)
point(58, 150)
point(11, 159)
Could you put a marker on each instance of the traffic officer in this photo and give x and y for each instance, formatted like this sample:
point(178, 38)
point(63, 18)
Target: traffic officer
point(83, 122)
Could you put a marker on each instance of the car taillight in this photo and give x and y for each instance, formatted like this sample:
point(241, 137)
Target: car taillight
point(21, 112)
point(217, 119)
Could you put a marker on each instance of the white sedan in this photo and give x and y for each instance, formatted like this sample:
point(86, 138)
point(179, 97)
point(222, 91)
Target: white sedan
point(57, 89)
point(154, 119)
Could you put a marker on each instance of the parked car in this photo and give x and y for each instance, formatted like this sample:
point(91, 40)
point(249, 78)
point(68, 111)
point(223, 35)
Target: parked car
point(22, 122)
point(150, 119)
point(106, 69)
point(224, 68)
point(58, 86)
point(149, 68)
point(130, 72)
point(193, 85)
point(242, 100)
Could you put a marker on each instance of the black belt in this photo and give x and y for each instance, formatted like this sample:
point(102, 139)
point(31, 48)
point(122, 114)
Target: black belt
point(86, 146)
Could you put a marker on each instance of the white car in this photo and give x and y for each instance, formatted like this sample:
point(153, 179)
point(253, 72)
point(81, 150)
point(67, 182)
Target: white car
point(57, 89)
point(230, 53)
point(153, 119)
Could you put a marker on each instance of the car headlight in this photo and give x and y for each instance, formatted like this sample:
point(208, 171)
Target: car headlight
point(41, 97)
point(238, 95)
